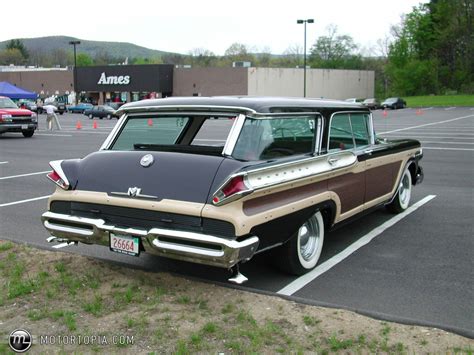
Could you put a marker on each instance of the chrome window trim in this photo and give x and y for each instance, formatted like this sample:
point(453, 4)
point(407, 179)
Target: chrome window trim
point(233, 136)
point(353, 139)
point(108, 141)
point(189, 107)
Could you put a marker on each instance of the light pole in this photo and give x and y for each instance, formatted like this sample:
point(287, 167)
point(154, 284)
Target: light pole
point(74, 43)
point(310, 20)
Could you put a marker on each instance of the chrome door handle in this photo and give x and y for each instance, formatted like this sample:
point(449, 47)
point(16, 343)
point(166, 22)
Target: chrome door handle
point(368, 151)
point(332, 161)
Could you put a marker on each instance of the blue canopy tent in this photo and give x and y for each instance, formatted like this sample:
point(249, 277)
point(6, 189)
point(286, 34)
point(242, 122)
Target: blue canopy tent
point(14, 92)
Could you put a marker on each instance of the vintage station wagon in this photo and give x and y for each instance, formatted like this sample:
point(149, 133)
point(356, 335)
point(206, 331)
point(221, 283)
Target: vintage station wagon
point(217, 180)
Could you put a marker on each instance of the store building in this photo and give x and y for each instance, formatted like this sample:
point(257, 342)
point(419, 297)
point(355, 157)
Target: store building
point(124, 83)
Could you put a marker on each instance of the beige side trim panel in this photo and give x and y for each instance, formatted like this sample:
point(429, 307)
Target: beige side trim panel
point(172, 206)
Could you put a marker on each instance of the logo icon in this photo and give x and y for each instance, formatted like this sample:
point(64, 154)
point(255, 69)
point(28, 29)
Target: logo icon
point(20, 340)
point(134, 191)
point(147, 160)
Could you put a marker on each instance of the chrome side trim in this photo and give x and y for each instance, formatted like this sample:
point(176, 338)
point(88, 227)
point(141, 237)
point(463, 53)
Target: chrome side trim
point(56, 165)
point(256, 179)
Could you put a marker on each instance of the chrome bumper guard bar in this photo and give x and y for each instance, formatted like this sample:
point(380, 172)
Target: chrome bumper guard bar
point(175, 244)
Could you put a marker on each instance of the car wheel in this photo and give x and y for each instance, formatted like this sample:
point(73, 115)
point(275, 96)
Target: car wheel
point(402, 200)
point(90, 116)
point(301, 253)
point(109, 116)
point(62, 112)
point(28, 133)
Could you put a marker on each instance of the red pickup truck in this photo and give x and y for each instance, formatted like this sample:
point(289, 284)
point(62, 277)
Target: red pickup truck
point(14, 119)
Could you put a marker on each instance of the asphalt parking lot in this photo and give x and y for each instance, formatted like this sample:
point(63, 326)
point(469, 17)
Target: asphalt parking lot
point(414, 268)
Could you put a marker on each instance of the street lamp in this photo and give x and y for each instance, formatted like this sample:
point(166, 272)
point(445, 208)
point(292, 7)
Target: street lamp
point(310, 20)
point(74, 43)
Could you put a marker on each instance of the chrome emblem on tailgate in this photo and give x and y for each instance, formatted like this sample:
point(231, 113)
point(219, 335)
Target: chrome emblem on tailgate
point(146, 160)
point(133, 191)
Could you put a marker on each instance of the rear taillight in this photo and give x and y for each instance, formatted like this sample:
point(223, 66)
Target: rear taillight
point(54, 177)
point(57, 175)
point(231, 190)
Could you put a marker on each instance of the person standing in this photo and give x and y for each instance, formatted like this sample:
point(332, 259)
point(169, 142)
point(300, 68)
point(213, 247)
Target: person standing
point(51, 116)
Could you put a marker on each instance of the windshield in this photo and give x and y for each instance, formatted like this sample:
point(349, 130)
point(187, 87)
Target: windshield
point(5, 102)
point(268, 138)
point(391, 99)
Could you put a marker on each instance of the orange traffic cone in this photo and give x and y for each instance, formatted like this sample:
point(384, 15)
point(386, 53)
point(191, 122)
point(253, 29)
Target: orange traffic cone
point(78, 125)
point(385, 113)
point(150, 122)
point(419, 112)
point(94, 125)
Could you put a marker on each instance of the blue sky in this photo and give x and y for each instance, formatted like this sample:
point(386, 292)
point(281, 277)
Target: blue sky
point(210, 24)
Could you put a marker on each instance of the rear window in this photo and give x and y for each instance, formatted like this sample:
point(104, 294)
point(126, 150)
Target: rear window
point(149, 131)
point(268, 138)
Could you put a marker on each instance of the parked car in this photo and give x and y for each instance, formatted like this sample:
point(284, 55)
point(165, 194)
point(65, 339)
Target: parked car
point(115, 105)
point(100, 111)
point(353, 100)
point(217, 180)
point(372, 104)
point(27, 104)
point(14, 119)
point(394, 103)
point(79, 108)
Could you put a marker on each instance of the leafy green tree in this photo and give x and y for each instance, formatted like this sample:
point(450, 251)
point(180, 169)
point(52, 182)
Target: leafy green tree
point(18, 44)
point(84, 60)
point(11, 56)
point(238, 52)
point(334, 51)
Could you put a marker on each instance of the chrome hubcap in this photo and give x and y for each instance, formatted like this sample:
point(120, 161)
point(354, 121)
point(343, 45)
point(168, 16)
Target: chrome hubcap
point(404, 189)
point(308, 235)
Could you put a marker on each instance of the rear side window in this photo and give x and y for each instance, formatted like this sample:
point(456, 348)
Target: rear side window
point(149, 131)
point(269, 138)
point(348, 131)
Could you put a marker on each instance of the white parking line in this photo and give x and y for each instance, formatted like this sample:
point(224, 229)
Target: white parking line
point(24, 201)
point(428, 124)
point(22, 175)
point(3, 162)
point(302, 281)
point(440, 148)
point(438, 142)
point(53, 135)
point(449, 108)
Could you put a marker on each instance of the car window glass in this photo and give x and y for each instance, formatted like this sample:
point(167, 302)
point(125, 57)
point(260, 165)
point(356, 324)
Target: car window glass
point(213, 132)
point(348, 131)
point(149, 130)
point(340, 133)
point(262, 139)
point(360, 129)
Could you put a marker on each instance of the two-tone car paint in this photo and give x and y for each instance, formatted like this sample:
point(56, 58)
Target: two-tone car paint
point(180, 210)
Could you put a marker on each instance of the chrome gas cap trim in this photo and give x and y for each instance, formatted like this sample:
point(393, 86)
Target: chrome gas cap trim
point(147, 160)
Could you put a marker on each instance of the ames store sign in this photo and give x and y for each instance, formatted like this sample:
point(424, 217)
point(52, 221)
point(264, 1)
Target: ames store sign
point(126, 78)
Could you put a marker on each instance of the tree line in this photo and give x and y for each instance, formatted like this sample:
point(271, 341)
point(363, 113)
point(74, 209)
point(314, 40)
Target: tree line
point(430, 51)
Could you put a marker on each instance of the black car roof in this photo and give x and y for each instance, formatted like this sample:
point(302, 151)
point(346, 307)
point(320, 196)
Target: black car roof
point(244, 103)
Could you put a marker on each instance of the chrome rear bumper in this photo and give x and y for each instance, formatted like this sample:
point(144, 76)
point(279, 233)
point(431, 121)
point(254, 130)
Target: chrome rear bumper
point(175, 244)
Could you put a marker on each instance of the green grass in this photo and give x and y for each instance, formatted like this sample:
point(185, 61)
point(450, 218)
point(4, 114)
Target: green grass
point(442, 100)
point(6, 246)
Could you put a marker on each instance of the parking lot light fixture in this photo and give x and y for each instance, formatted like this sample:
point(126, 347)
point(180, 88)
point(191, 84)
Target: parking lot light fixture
point(74, 43)
point(310, 20)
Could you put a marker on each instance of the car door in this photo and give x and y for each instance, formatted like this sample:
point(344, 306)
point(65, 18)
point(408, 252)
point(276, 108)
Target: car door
point(382, 161)
point(348, 184)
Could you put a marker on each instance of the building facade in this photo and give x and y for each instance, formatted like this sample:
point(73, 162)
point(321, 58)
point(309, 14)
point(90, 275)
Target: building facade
point(125, 83)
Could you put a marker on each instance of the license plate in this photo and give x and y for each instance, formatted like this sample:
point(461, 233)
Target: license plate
point(124, 244)
point(24, 126)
